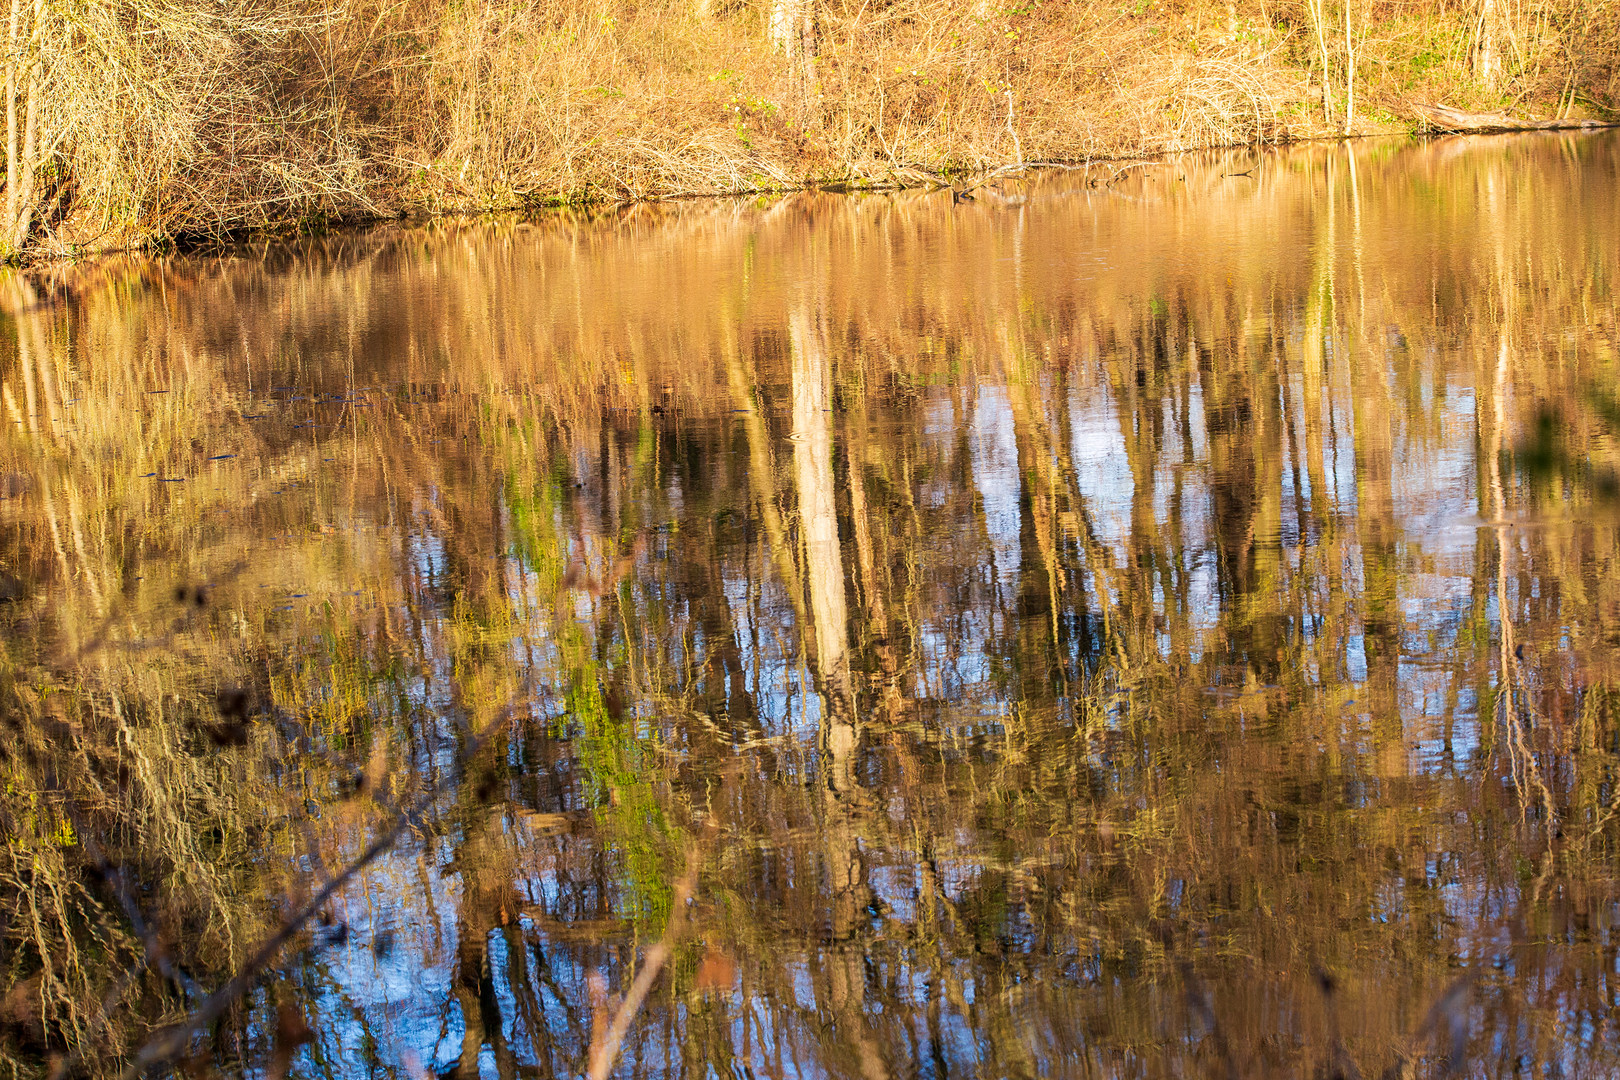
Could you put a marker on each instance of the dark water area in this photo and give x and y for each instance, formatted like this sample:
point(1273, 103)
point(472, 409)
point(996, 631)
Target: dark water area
point(1141, 623)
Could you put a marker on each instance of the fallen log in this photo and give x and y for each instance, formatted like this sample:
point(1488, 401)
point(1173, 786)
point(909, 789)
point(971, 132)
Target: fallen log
point(1445, 118)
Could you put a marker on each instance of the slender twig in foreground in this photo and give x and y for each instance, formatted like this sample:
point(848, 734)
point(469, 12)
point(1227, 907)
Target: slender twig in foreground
point(605, 1054)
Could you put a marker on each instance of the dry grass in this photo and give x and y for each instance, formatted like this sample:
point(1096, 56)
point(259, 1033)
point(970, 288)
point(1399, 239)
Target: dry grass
point(181, 118)
point(177, 117)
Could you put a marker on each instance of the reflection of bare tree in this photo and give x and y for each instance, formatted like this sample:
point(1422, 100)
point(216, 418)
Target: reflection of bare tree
point(844, 961)
point(1515, 712)
point(487, 907)
point(818, 523)
point(1030, 796)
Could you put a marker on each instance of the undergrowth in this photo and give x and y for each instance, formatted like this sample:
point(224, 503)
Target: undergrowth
point(149, 121)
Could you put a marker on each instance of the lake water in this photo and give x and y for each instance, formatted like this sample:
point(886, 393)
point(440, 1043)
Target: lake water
point(1150, 622)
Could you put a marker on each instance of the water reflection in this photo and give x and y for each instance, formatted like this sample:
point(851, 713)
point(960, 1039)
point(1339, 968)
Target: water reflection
point(1131, 631)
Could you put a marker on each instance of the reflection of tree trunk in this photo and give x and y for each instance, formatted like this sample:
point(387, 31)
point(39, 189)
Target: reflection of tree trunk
point(1263, 614)
point(1040, 581)
point(860, 518)
point(1313, 381)
point(1098, 559)
point(1245, 454)
point(488, 901)
point(845, 969)
point(480, 1009)
point(818, 525)
point(1511, 704)
point(812, 456)
point(1138, 413)
point(1373, 440)
point(41, 412)
point(1234, 483)
point(761, 471)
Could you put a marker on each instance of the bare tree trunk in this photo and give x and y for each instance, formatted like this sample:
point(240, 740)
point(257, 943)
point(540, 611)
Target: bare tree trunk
point(1349, 68)
point(24, 213)
point(793, 34)
point(1487, 56)
point(1318, 16)
point(22, 63)
point(12, 58)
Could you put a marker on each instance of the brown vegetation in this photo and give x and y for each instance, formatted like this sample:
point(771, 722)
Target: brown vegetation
point(136, 121)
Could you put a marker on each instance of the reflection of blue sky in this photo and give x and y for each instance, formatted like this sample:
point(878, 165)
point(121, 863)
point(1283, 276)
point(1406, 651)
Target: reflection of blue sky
point(396, 1004)
point(1434, 483)
point(996, 479)
point(397, 1000)
point(1102, 466)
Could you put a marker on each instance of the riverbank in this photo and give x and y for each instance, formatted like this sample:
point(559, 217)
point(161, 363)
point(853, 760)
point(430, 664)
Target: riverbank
point(156, 123)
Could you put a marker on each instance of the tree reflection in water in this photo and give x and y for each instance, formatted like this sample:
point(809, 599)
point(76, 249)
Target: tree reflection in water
point(1140, 631)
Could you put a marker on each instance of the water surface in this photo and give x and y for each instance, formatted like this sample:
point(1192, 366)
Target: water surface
point(1149, 628)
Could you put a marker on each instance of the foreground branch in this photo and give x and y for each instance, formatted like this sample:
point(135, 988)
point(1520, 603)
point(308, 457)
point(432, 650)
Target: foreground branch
point(605, 1053)
point(172, 1042)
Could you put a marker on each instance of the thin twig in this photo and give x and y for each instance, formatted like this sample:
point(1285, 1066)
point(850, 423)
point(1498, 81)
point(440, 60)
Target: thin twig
point(607, 1052)
point(172, 1042)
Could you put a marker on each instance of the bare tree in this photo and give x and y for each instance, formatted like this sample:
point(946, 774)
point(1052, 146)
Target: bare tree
point(793, 34)
point(22, 77)
point(1487, 59)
